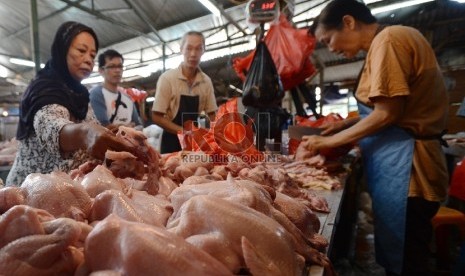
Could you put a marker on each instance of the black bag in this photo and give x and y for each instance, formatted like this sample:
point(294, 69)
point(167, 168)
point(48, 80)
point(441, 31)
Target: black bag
point(262, 86)
point(118, 102)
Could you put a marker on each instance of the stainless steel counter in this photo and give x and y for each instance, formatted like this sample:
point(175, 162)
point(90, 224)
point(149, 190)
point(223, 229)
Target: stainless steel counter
point(342, 216)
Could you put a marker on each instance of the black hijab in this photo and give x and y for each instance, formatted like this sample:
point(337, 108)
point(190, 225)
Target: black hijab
point(54, 84)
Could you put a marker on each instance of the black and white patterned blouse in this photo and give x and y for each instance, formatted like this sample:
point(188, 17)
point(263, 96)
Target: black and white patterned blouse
point(40, 152)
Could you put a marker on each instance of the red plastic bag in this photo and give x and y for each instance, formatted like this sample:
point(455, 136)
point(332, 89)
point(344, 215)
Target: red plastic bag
point(227, 136)
point(136, 95)
point(312, 122)
point(457, 184)
point(329, 153)
point(229, 106)
point(290, 49)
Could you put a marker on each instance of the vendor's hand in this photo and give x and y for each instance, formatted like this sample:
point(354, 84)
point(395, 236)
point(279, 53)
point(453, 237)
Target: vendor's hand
point(308, 147)
point(100, 139)
point(332, 128)
point(314, 143)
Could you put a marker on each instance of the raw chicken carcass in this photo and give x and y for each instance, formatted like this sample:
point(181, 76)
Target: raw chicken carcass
point(238, 236)
point(145, 153)
point(21, 221)
point(11, 196)
point(166, 186)
point(138, 206)
point(245, 192)
point(48, 248)
point(58, 194)
point(196, 159)
point(124, 164)
point(298, 213)
point(220, 170)
point(137, 139)
point(253, 195)
point(132, 248)
point(84, 169)
point(170, 162)
point(195, 179)
point(101, 179)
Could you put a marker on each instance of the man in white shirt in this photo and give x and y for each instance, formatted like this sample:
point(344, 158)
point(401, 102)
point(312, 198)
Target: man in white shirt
point(111, 105)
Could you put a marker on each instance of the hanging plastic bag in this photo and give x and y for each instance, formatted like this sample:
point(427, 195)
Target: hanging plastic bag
point(262, 87)
point(290, 49)
point(227, 107)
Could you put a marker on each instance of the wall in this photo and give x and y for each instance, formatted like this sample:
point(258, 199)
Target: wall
point(8, 127)
point(456, 95)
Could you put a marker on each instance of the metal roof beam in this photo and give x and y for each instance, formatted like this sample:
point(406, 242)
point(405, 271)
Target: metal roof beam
point(228, 17)
point(140, 12)
point(109, 19)
point(25, 29)
point(34, 22)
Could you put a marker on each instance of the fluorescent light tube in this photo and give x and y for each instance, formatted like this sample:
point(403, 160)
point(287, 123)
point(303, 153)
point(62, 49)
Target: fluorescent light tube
point(399, 5)
point(211, 7)
point(22, 62)
point(370, 1)
point(91, 80)
point(25, 62)
point(3, 71)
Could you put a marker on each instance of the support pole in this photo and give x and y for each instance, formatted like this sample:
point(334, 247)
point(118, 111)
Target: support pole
point(164, 57)
point(34, 22)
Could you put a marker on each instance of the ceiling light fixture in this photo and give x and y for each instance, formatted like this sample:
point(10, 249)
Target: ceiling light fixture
point(92, 80)
point(22, 62)
point(3, 71)
point(400, 5)
point(25, 62)
point(211, 7)
point(370, 1)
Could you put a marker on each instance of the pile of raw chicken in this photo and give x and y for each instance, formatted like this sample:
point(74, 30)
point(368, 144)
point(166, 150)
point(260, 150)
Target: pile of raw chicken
point(173, 215)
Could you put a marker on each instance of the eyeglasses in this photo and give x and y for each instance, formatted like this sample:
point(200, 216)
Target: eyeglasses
point(114, 67)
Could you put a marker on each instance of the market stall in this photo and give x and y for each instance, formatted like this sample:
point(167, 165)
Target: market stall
point(111, 200)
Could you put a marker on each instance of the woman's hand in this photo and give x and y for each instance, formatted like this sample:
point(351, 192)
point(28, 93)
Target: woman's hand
point(100, 139)
point(93, 138)
point(333, 127)
point(309, 146)
point(314, 143)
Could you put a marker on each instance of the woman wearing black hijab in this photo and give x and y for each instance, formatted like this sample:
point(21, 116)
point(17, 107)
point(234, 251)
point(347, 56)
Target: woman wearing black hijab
point(57, 131)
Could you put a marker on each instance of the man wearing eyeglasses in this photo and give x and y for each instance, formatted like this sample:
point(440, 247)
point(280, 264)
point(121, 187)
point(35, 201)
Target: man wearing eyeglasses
point(111, 105)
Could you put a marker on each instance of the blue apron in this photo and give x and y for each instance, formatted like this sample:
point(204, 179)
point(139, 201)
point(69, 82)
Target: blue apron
point(387, 160)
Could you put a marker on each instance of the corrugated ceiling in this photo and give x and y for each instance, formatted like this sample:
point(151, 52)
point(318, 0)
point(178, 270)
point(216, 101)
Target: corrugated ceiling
point(140, 28)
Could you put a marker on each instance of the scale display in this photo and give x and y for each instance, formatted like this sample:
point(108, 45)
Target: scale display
point(263, 10)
